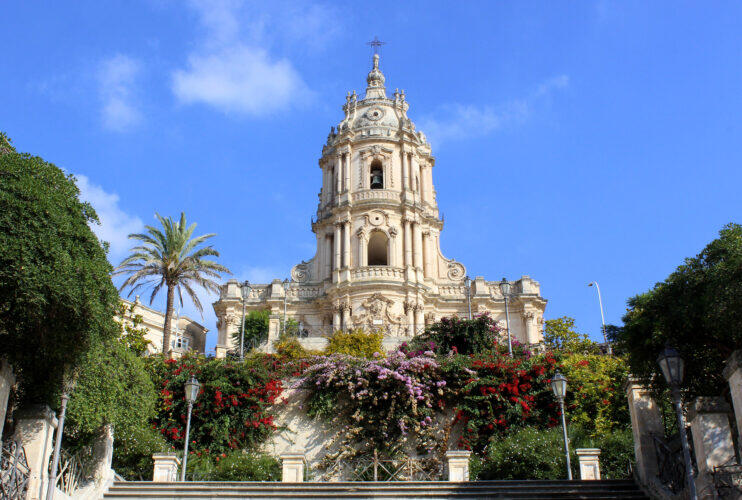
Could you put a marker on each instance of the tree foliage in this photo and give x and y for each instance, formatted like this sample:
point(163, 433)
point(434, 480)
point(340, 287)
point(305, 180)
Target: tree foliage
point(56, 295)
point(560, 334)
point(133, 334)
point(256, 328)
point(171, 258)
point(697, 310)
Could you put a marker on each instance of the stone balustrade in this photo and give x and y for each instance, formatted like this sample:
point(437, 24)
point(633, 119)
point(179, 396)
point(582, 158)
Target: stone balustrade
point(361, 273)
point(375, 194)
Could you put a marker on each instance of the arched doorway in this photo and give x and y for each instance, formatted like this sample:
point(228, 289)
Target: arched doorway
point(378, 249)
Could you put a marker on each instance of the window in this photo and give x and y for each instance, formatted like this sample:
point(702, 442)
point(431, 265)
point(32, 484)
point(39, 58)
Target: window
point(377, 175)
point(180, 343)
point(378, 245)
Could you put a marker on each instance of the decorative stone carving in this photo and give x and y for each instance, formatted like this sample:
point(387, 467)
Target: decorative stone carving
point(456, 271)
point(300, 272)
point(377, 307)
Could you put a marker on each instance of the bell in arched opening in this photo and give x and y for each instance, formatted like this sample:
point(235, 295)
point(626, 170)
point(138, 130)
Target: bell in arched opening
point(377, 175)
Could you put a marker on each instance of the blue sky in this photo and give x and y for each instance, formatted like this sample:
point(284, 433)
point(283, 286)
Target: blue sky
point(575, 141)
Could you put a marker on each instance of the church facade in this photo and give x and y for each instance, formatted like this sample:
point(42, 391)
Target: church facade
point(378, 263)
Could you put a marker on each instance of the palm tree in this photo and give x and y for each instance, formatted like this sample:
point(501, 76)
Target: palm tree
point(169, 258)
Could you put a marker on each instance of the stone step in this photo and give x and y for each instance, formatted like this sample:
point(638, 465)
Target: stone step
point(541, 490)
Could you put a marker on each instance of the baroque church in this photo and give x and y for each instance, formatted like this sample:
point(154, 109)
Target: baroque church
point(378, 263)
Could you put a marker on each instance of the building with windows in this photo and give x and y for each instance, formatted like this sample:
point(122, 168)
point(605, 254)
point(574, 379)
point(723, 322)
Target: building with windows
point(186, 335)
point(378, 263)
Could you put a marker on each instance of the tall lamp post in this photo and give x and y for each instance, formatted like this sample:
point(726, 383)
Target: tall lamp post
point(286, 286)
point(505, 288)
point(57, 448)
point(191, 393)
point(559, 386)
point(245, 289)
point(673, 366)
point(602, 316)
point(467, 284)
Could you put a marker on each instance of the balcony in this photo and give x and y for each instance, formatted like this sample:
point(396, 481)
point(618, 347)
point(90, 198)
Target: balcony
point(377, 272)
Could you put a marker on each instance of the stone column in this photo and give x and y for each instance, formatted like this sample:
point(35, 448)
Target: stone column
point(346, 316)
point(293, 467)
point(346, 244)
point(410, 313)
point(328, 256)
point(429, 178)
point(589, 463)
point(419, 317)
point(712, 438)
point(337, 242)
point(346, 161)
point(362, 251)
point(423, 184)
point(458, 465)
point(407, 243)
point(338, 174)
point(645, 421)
point(274, 330)
point(417, 254)
point(405, 172)
point(414, 173)
point(165, 468)
point(427, 256)
point(732, 374)
point(529, 318)
point(34, 429)
point(7, 380)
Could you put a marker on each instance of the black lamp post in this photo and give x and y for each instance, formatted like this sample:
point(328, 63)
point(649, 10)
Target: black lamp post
point(673, 368)
point(505, 288)
point(559, 386)
point(191, 393)
point(245, 289)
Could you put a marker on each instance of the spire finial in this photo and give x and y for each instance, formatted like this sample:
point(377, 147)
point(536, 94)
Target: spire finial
point(376, 44)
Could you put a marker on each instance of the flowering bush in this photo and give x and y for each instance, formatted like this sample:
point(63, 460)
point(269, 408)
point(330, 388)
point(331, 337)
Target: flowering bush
point(233, 409)
point(377, 402)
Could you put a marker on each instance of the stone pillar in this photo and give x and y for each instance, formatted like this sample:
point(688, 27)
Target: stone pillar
point(328, 256)
point(407, 242)
point(362, 251)
point(405, 172)
point(293, 467)
point(337, 241)
point(35, 431)
point(458, 465)
point(336, 320)
point(429, 177)
point(427, 255)
point(589, 463)
point(410, 312)
point(732, 374)
point(346, 161)
point(529, 318)
point(103, 453)
point(346, 244)
point(346, 316)
point(7, 380)
point(338, 174)
point(712, 438)
point(645, 421)
point(419, 318)
point(423, 184)
point(274, 329)
point(414, 173)
point(417, 253)
point(166, 468)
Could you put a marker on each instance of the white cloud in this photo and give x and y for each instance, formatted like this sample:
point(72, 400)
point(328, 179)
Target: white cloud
point(457, 121)
point(239, 79)
point(117, 79)
point(115, 224)
point(234, 66)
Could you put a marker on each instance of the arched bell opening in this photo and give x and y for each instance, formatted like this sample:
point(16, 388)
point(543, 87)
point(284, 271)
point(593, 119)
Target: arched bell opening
point(377, 175)
point(378, 249)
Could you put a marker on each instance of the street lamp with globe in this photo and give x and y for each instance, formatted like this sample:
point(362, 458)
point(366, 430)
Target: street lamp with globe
point(191, 393)
point(505, 288)
point(673, 368)
point(559, 386)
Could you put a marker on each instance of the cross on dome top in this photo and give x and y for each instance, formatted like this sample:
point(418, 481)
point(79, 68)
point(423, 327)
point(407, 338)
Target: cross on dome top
point(375, 78)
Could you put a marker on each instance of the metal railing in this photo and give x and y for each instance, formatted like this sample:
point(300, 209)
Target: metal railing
point(14, 471)
point(380, 468)
point(670, 465)
point(728, 481)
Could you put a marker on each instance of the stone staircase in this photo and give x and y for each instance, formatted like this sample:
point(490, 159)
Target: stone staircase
point(541, 490)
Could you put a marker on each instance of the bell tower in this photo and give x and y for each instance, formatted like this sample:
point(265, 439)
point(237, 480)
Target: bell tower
point(378, 261)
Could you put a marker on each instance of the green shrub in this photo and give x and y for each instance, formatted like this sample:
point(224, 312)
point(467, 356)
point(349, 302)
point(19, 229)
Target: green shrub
point(616, 451)
point(132, 455)
point(235, 465)
point(291, 348)
point(528, 453)
point(459, 335)
point(356, 343)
